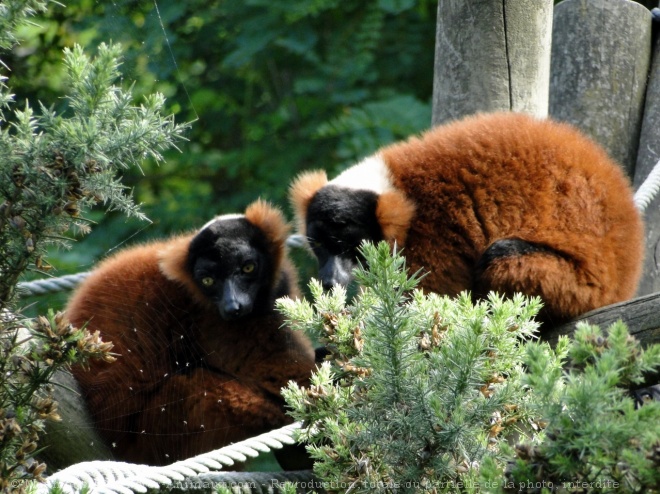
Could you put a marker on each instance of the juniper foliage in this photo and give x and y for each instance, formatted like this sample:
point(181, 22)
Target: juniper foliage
point(595, 438)
point(13, 14)
point(417, 388)
point(52, 168)
point(422, 393)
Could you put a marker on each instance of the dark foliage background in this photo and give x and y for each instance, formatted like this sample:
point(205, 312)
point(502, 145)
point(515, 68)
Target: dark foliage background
point(273, 87)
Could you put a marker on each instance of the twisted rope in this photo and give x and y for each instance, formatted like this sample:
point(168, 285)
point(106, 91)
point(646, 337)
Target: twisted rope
point(110, 477)
point(51, 285)
point(649, 188)
point(70, 281)
point(296, 241)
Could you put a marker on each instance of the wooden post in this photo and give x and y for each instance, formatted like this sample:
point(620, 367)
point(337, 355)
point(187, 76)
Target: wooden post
point(648, 156)
point(601, 51)
point(73, 439)
point(491, 55)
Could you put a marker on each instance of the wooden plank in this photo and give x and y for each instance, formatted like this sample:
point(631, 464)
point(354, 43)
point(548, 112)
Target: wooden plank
point(491, 55)
point(597, 80)
point(641, 315)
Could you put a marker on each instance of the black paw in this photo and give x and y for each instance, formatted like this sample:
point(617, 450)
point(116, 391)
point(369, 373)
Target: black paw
point(646, 395)
point(506, 247)
point(320, 353)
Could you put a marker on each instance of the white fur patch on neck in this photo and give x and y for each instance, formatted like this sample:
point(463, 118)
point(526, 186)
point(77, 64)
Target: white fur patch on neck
point(223, 217)
point(369, 174)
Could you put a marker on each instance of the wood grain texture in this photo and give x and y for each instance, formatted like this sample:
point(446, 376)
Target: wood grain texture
point(648, 156)
point(491, 56)
point(641, 314)
point(601, 52)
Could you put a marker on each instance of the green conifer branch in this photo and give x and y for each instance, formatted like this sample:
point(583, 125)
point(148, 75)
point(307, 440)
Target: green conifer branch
point(422, 393)
point(418, 388)
point(54, 167)
point(594, 438)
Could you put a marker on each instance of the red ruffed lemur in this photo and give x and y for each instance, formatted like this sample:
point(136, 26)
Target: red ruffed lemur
point(202, 351)
point(498, 202)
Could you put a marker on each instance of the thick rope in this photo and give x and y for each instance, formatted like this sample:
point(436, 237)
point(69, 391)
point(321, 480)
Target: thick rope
point(649, 188)
point(110, 477)
point(51, 285)
point(296, 241)
point(69, 282)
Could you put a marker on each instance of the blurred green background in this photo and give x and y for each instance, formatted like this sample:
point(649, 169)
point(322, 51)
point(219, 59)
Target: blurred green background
point(273, 87)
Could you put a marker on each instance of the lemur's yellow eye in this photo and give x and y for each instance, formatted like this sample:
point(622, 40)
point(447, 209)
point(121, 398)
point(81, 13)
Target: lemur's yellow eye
point(248, 268)
point(207, 281)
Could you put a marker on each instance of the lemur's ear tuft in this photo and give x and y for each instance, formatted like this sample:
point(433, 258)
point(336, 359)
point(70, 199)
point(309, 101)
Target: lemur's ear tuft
point(301, 192)
point(173, 263)
point(173, 259)
point(272, 223)
point(394, 212)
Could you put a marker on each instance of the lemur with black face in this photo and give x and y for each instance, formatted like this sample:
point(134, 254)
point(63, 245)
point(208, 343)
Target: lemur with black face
point(202, 352)
point(498, 202)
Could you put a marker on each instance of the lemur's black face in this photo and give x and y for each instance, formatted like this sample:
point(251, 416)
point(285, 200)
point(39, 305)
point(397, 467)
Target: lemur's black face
point(230, 262)
point(338, 220)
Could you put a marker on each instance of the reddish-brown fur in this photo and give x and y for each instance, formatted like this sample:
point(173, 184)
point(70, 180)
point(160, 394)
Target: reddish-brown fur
point(302, 191)
point(394, 213)
point(507, 175)
point(186, 381)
